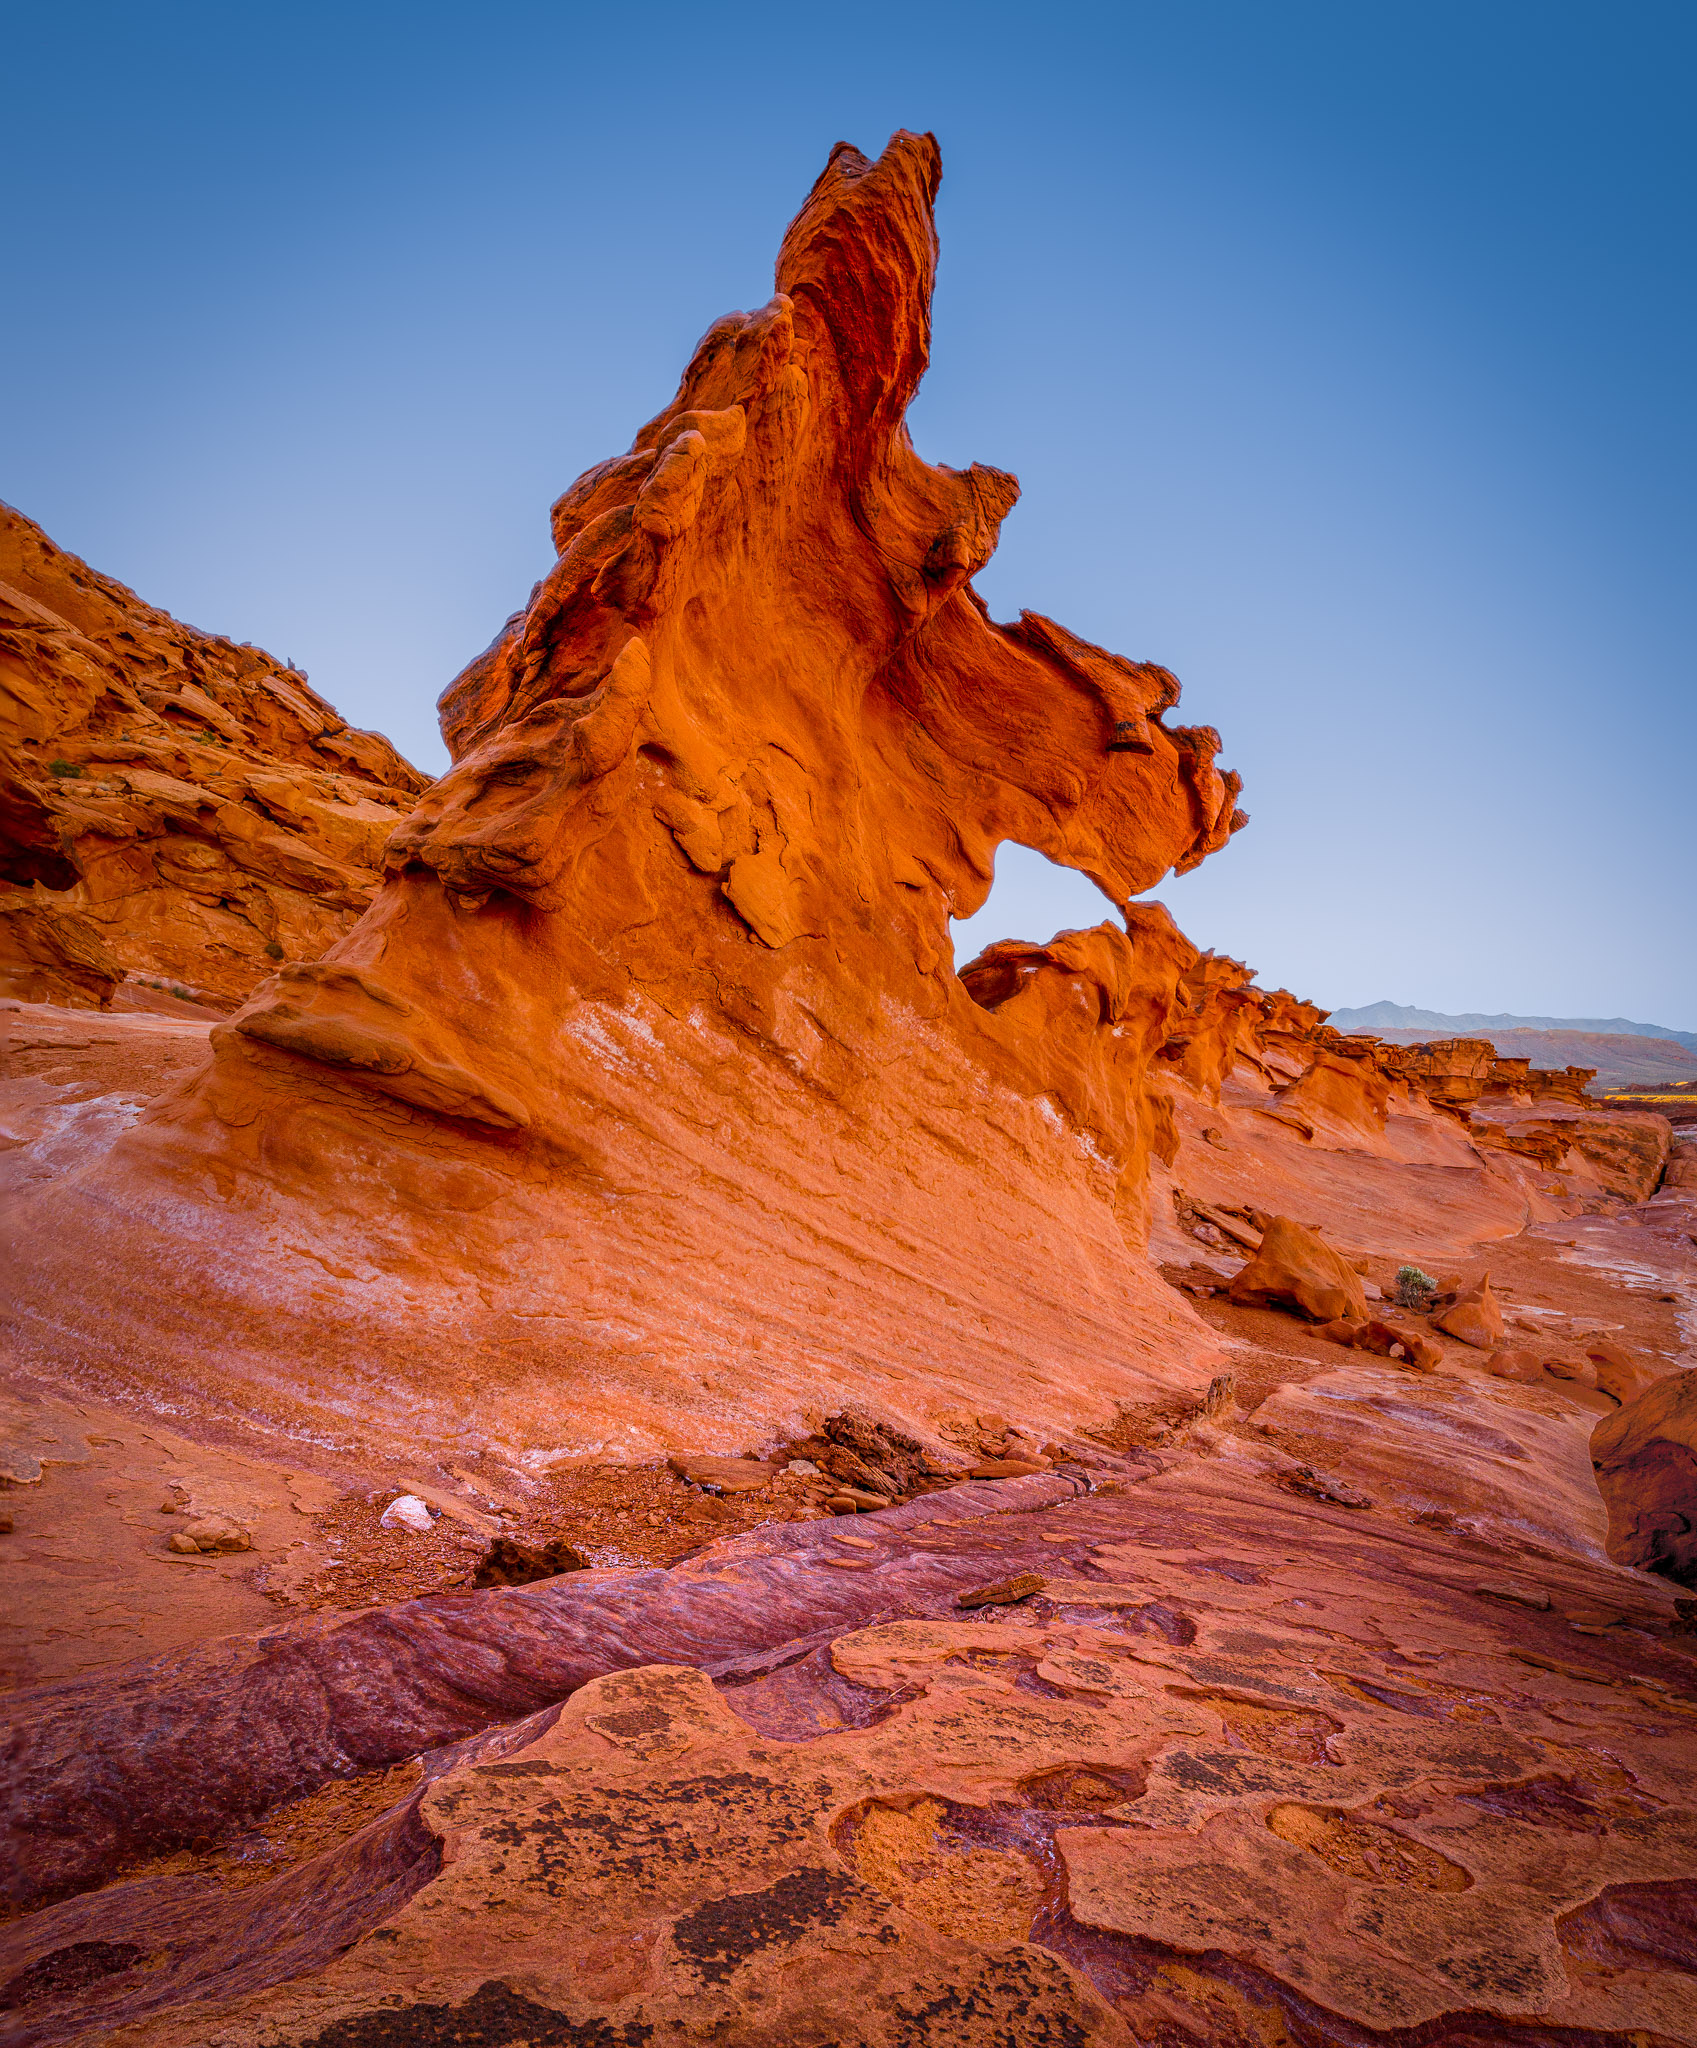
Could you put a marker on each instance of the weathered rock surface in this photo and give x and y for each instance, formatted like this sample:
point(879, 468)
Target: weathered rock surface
point(171, 805)
point(646, 1098)
point(1244, 1761)
point(1474, 1317)
point(1646, 1462)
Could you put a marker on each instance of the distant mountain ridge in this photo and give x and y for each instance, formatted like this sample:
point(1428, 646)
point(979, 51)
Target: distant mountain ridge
point(1400, 1017)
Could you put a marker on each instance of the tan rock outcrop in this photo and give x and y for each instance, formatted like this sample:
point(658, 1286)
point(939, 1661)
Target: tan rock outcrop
point(1349, 1093)
point(1215, 1023)
point(171, 804)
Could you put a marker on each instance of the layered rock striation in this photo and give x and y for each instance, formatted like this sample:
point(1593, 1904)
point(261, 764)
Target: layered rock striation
point(645, 1100)
point(173, 806)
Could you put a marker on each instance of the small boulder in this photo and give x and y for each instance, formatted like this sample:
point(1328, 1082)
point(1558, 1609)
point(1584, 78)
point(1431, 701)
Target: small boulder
point(855, 1500)
point(1578, 1372)
point(1008, 1468)
point(1475, 1317)
point(206, 1535)
point(407, 1511)
point(1398, 1341)
point(1524, 1367)
point(1295, 1268)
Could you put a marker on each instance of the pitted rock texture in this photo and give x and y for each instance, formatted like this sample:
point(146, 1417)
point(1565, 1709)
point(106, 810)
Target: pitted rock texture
point(1249, 1769)
point(172, 806)
point(646, 1098)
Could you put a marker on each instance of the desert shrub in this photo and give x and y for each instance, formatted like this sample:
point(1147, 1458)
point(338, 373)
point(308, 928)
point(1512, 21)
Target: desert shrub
point(1414, 1289)
point(63, 768)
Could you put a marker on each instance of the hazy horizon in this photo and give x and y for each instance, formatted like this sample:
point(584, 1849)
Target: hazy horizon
point(1343, 357)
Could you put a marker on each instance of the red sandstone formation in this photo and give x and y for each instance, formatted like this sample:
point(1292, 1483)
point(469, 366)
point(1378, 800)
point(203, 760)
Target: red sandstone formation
point(648, 1092)
point(1080, 1660)
point(1215, 1022)
point(1646, 1460)
point(172, 805)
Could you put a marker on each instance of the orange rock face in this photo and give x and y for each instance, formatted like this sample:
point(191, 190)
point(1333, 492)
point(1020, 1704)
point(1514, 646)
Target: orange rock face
point(647, 1087)
point(1645, 1457)
point(171, 805)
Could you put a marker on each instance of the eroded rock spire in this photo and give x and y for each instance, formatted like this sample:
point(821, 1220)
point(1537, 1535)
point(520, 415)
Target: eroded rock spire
point(647, 1084)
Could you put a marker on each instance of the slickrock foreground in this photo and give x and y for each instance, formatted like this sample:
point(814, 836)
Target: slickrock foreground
point(632, 1457)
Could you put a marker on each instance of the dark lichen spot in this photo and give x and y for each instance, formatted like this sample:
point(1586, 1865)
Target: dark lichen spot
point(719, 1937)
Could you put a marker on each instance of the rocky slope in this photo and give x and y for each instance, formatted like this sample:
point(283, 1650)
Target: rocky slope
point(1098, 1591)
point(174, 808)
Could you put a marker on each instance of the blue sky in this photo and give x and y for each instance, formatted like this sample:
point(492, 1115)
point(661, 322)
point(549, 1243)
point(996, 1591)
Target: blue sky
point(1344, 353)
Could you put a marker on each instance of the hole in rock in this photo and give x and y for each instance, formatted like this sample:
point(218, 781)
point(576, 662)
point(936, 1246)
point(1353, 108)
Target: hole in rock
point(1030, 900)
point(1084, 1788)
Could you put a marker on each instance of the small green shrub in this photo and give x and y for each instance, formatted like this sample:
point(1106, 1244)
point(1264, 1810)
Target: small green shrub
point(63, 768)
point(1414, 1289)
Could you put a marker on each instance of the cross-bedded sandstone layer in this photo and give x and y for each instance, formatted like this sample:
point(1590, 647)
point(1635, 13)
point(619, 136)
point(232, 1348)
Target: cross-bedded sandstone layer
point(645, 1100)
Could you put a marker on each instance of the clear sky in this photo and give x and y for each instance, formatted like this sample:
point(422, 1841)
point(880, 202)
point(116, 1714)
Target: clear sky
point(1344, 352)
